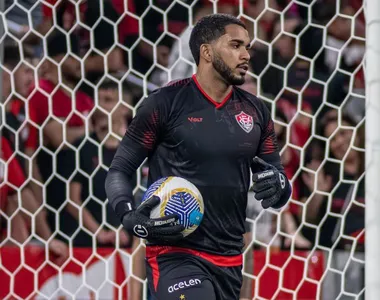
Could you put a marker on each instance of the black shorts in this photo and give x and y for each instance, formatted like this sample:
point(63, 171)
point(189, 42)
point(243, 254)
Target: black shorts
point(184, 274)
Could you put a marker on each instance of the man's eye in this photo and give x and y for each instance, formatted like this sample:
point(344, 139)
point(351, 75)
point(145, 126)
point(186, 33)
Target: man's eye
point(235, 46)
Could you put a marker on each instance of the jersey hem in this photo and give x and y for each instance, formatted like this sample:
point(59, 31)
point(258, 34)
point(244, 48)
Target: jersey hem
point(218, 260)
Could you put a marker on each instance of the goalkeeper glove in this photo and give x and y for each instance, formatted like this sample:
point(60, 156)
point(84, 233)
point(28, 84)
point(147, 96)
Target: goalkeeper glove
point(270, 186)
point(141, 225)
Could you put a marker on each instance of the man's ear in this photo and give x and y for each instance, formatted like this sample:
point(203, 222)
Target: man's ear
point(206, 52)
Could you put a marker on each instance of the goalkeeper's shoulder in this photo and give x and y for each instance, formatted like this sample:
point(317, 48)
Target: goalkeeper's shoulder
point(261, 106)
point(166, 94)
point(171, 87)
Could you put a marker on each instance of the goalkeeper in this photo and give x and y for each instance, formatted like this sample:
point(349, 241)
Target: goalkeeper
point(209, 131)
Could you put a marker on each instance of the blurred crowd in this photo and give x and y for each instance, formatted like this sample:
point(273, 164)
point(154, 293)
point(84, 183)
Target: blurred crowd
point(72, 71)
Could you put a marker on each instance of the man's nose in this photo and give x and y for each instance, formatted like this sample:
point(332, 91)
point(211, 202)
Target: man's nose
point(245, 55)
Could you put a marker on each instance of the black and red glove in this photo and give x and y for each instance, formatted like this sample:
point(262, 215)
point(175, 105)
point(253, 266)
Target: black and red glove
point(270, 186)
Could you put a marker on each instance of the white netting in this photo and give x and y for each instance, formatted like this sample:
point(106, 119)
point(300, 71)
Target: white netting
point(73, 73)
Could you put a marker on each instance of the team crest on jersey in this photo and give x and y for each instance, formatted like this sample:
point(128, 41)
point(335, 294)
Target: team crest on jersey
point(245, 121)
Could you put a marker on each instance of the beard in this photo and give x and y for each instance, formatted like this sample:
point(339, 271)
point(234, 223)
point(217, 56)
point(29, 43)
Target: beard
point(226, 72)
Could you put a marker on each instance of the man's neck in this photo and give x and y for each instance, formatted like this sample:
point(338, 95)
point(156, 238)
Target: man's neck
point(216, 88)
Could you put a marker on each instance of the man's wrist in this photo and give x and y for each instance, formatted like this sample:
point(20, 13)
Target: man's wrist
point(122, 209)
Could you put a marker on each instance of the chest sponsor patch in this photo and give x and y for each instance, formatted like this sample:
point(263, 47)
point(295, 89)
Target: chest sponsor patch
point(245, 121)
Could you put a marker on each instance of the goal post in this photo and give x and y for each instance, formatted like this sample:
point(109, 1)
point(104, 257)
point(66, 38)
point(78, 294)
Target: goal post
point(372, 64)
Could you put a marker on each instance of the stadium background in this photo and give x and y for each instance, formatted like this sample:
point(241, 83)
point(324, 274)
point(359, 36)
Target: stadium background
point(72, 75)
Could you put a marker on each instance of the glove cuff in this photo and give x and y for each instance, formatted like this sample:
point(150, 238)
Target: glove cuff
point(286, 193)
point(121, 209)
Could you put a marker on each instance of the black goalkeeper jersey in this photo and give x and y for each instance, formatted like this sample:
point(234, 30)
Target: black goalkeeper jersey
point(184, 133)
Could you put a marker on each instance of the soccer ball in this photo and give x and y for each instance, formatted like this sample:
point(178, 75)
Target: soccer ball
point(178, 196)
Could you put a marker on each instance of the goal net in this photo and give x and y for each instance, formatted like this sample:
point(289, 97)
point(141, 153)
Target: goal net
point(73, 73)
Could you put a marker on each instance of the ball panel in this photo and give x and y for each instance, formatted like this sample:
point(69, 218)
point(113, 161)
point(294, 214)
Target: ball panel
point(155, 187)
point(178, 196)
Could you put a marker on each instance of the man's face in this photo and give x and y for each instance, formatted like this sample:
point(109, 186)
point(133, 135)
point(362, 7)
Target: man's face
point(230, 54)
point(118, 123)
point(71, 68)
point(23, 76)
point(108, 98)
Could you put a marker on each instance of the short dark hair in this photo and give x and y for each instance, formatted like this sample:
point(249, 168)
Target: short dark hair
point(12, 55)
point(57, 43)
point(209, 29)
point(108, 84)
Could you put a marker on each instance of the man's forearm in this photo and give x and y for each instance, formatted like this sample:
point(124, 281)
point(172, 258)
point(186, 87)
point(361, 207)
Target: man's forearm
point(313, 207)
point(53, 130)
point(119, 192)
point(29, 202)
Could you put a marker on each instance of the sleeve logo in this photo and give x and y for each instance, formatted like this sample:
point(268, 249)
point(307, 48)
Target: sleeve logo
point(245, 121)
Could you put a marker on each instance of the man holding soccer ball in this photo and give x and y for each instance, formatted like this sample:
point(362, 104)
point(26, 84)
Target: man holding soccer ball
point(210, 132)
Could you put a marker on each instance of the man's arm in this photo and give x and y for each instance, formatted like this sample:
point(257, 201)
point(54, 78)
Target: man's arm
point(53, 130)
point(103, 236)
point(142, 137)
point(139, 140)
point(270, 180)
point(34, 170)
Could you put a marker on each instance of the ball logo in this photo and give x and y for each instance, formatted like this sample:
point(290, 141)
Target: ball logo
point(140, 231)
point(245, 121)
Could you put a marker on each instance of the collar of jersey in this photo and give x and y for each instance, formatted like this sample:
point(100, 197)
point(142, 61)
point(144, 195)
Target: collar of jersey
point(215, 103)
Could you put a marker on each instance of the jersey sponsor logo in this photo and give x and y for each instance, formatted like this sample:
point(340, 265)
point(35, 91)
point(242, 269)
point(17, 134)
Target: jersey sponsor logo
point(183, 284)
point(195, 120)
point(245, 121)
point(140, 231)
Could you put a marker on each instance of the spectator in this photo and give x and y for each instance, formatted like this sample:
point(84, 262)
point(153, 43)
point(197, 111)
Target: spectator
point(20, 223)
point(97, 51)
point(181, 62)
point(87, 194)
point(153, 29)
point(19, 68)
point(18, 21)
point(61, 120)
point(290, 160)
point(329, 176)
point(340, 220)
point(14, 141)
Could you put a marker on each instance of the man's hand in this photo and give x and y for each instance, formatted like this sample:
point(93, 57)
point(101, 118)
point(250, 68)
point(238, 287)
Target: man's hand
point(59, 250)
point(268, 184)
point(106, 236)
point(141, 225)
